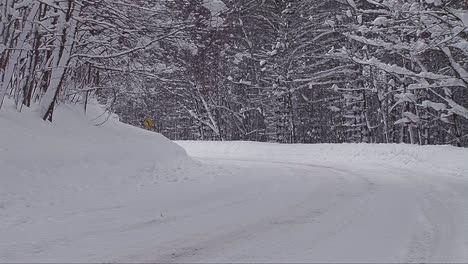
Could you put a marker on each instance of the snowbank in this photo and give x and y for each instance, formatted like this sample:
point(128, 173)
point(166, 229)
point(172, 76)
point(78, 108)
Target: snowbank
point(446, 159)
point(74, 163)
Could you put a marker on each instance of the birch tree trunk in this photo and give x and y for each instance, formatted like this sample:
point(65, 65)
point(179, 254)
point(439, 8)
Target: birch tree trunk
point(63, 48)
point(18, 52)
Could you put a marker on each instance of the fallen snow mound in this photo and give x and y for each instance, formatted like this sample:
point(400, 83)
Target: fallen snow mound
point(43, 164)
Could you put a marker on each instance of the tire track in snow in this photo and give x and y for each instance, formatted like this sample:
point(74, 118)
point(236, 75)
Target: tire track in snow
point(443, 222)
point(299, 214)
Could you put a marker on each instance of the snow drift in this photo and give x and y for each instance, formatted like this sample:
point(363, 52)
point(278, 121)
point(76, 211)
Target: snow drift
point(74, 162)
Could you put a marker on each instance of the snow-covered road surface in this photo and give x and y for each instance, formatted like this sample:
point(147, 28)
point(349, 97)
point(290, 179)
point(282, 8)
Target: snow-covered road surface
point(261, 211)
point(299, 212)
point(304, 213)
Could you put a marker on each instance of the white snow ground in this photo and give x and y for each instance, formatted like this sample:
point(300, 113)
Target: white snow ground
point(73, 192)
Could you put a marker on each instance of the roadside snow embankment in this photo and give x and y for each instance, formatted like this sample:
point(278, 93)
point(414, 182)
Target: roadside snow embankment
point(72, 162)
point(446, 159)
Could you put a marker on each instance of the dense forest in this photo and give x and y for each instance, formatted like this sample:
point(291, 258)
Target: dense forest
point(288, 71)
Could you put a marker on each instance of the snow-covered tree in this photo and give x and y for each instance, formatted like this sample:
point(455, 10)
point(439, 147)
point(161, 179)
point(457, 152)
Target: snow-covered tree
point(415, 52)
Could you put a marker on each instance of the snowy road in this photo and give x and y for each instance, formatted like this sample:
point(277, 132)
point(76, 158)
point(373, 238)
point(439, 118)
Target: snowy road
point(283, 212)
point(242, 209)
